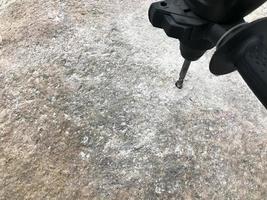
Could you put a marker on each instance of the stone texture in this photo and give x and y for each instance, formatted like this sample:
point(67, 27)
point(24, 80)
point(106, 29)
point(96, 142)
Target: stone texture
point(88, 110)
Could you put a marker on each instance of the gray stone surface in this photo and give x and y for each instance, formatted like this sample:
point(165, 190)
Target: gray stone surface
point(88, 110)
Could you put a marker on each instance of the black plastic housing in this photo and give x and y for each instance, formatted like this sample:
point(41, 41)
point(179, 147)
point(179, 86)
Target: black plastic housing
point(196, 35)
point(245, 50)
point(223, 11)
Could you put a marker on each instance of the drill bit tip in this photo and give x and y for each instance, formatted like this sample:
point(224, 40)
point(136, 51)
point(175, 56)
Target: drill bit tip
point(179, 84)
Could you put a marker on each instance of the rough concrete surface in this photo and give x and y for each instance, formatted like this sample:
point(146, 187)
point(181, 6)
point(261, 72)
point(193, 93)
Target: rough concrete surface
point(88, 110)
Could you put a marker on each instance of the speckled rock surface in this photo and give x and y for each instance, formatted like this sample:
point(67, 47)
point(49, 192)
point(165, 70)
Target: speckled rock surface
point(88, 110)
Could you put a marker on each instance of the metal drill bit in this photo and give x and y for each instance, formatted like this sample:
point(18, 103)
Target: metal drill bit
point(184, 70)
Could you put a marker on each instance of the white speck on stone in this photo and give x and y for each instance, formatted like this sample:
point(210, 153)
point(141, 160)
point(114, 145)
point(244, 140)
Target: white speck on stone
point(159, 188)
point(3, 116)
point(84, 156)
point(85, 140)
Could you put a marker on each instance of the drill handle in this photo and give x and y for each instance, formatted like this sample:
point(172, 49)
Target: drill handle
point(252, 65)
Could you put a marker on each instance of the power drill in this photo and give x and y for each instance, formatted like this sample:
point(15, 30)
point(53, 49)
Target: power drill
point(201, 25)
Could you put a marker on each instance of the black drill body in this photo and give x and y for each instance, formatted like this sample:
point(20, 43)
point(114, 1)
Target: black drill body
point(223, 11)
point(203, 24)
